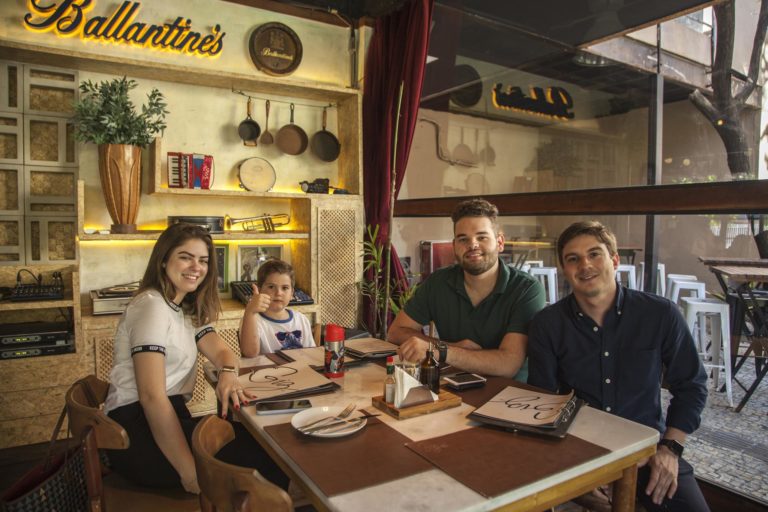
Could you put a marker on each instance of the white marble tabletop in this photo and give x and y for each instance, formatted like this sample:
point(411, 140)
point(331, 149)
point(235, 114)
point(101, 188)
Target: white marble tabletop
point(433, 489)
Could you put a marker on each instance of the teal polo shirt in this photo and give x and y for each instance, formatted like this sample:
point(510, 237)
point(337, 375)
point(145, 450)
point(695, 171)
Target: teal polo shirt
point(442, 299)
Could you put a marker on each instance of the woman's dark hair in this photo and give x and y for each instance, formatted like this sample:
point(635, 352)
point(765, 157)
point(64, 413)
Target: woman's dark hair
point(203, 304)
point(274, 266)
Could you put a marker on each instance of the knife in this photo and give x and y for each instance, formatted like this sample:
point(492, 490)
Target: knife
point(336, 425)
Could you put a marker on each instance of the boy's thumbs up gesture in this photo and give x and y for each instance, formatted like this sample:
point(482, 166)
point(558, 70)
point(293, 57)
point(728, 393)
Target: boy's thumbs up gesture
point(259, 302)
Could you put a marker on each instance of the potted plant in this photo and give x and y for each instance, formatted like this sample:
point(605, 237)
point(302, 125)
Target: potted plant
point(105, 115)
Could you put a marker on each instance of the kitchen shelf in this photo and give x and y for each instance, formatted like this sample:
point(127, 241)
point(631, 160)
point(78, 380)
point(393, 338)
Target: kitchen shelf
point(36, 304)
point(234, 235)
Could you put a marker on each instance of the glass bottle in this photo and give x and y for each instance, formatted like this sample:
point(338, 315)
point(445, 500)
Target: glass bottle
point(389, 381)
point(430, 371)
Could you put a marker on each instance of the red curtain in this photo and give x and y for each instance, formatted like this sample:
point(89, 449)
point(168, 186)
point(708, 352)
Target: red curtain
point(397, 53)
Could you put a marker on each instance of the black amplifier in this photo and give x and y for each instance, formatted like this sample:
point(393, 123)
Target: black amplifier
point(33, 334)
point(67, 347)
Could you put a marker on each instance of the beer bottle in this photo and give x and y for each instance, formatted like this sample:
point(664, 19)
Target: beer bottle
point(430, 371)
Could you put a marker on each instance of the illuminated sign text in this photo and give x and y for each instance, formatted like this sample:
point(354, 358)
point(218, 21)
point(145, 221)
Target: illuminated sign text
point(555, 102)
point(69, 18)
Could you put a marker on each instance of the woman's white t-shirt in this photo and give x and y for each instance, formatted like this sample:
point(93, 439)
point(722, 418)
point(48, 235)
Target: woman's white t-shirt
point(293, 332)
point(152, 324)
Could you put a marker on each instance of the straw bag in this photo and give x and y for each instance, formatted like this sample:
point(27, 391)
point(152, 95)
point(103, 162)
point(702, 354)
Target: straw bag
point(58, 483)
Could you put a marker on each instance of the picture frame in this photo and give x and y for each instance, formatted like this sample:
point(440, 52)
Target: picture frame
point(222, 262)
point(250, 257)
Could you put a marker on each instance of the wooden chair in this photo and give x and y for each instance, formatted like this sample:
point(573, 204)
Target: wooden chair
point(225, 487)
point(96, 430)
point(91, 426)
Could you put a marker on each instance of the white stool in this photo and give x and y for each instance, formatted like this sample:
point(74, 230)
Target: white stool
point(678, 277)
point(661, 278)
point(698, 288)
point(535, 263)
point(547, 276)
point(631, 273)
point(697, 311)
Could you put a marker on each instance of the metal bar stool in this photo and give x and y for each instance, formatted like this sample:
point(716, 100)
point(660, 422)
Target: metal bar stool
point(676, 286)
point(697, 311)
point(547, 276)
point(630, 271)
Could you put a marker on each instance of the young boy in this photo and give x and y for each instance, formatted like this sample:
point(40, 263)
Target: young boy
point(268, 325)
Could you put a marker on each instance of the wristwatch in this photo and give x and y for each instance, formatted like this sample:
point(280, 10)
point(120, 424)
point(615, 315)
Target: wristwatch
point(442, 350)
point(675, 447)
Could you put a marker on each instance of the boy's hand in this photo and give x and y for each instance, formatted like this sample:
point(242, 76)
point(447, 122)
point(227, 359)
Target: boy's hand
point(259, 302)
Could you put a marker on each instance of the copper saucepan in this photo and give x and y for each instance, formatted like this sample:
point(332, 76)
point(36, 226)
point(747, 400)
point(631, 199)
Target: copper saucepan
point(324, 144)
point(291, 138)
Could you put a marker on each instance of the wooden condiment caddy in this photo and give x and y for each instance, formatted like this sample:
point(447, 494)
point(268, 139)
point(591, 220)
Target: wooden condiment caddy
point(445, 400)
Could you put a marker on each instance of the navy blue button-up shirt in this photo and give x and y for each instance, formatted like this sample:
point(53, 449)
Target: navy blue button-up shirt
point(618, 367)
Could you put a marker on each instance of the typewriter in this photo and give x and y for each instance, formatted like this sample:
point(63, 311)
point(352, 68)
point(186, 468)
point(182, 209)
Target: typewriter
point(242, 291)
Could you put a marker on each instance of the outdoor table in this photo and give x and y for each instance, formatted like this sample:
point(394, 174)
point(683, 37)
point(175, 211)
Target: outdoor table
point(746, 277)
point(388, 470)
point(524, 249)
point(628, 254)
point(733, 262)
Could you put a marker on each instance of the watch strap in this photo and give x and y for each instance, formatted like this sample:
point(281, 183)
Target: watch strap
point(442, 350)
point(675, 447)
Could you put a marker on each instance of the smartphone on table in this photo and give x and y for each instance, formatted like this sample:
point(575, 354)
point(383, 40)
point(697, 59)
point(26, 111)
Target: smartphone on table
point(282, 406)
point(464, 380)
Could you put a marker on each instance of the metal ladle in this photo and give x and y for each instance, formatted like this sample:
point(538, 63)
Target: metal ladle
point(440, 152)
point(266, 137)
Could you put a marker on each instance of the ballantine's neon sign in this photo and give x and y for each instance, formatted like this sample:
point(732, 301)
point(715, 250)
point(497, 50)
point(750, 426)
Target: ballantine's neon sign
point(68, 19)
point(554, 103)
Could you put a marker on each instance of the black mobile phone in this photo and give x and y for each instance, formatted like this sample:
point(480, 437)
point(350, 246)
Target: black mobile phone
point(464, 380)
point(282, 406)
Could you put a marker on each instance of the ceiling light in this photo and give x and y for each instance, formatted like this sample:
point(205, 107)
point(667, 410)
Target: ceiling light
point(590, 59)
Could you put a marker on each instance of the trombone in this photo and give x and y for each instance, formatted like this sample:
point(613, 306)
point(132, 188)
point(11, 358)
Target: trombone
point(264, 223)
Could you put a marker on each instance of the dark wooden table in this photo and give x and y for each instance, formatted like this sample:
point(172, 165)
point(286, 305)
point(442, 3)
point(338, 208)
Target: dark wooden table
point(745, 278)
point(734, 262)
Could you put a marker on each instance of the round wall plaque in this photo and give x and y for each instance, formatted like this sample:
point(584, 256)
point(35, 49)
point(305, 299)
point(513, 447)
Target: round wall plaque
point(275, 49)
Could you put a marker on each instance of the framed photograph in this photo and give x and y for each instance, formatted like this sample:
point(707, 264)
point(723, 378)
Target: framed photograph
point(222, 261)
point(250, 257)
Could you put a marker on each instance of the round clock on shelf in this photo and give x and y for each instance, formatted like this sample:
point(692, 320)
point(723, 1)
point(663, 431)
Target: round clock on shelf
point(275, 49)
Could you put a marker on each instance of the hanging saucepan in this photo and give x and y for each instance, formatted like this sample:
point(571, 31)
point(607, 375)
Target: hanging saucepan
point(256, 175)
point(292, 139)
point(325, 145)
point(249, 130)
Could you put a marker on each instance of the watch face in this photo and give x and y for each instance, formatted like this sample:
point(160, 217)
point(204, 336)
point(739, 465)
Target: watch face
point(275, 49)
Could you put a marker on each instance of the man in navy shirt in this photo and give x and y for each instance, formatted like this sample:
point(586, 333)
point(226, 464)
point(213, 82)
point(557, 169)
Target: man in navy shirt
point(612, 346)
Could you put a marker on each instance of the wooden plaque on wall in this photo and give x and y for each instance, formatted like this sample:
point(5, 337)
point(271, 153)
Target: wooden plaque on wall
point(275, 49)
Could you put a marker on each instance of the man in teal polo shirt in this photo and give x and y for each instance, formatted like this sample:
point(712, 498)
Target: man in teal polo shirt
point(480, 306)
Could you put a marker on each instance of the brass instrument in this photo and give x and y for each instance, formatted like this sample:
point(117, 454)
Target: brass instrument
point(264, 223)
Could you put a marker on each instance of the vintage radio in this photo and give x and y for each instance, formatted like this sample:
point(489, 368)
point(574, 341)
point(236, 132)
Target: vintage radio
point(212, 224)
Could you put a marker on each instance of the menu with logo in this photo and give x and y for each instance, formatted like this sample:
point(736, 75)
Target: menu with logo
point(532, 411)
point(290, 380)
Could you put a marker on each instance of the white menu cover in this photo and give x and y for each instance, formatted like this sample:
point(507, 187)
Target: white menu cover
point(286, 381)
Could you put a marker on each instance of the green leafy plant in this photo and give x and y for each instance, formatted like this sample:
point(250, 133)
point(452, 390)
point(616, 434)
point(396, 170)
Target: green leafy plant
point(374, 287)
point(105, 114)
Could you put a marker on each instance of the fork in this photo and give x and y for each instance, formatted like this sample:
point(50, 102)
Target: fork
point(335, 427)
point(342, 415)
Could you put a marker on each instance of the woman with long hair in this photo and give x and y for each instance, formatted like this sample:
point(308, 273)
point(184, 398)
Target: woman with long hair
point(156, 344)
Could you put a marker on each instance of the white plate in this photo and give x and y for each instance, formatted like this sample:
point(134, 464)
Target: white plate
point(315, 413)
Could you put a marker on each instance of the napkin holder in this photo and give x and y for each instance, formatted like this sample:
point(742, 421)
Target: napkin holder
point(445, 400)
point(417, 396)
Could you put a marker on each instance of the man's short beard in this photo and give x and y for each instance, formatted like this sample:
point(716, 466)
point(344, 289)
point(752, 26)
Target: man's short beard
point(476, 269)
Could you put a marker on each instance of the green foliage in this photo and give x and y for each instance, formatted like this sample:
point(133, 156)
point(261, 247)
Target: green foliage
point(105, 114)
point(374, 260)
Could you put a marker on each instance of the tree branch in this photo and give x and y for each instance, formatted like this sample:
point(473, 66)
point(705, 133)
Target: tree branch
point(757, 52)
point(704, 106)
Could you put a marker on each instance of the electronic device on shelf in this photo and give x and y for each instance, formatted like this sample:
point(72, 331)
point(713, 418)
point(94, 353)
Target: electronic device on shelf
point(39, 289)
point(242, 291)
point(30, 339)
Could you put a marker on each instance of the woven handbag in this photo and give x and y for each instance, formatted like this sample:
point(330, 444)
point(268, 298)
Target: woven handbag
point(56, 484)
